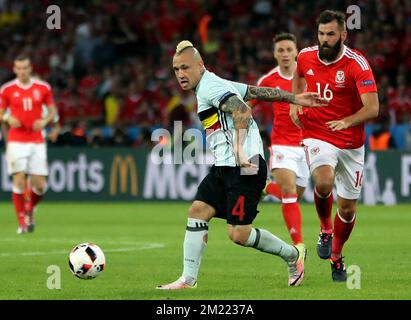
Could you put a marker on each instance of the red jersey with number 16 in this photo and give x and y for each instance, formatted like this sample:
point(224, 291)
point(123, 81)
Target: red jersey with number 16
point(341, 82)
point(25, 103)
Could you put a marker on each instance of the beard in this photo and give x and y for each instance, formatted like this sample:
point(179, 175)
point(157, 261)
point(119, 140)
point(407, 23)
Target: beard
point(329, 53)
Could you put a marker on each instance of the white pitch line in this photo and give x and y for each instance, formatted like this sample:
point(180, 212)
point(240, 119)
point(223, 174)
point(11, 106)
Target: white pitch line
point(54, 252)
point(28, 240)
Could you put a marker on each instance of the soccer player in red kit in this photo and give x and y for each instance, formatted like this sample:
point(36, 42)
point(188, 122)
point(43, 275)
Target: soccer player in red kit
point(26, 152)
point(287, 161)
point(333, 136)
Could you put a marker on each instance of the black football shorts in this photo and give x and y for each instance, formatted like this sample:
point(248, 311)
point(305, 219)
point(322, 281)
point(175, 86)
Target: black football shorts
point(233, 195)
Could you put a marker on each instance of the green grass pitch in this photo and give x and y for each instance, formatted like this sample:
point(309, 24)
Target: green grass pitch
point(143, 247)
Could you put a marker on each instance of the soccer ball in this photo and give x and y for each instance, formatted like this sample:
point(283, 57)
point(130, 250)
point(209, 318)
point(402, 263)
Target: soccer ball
point(87, 261)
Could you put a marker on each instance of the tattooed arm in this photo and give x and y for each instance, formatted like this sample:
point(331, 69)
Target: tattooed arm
point(241, 114)
point(306, 99)
point(268, 94)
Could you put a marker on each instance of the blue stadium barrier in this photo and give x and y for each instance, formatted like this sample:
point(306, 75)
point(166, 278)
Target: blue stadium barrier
point(399, 133)
point(107, 132)
point(369, 129)
point(134, 132)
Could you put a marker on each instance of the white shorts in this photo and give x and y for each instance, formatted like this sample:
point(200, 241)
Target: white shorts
point(347, 163)
point(292, 158)
point(30, 158)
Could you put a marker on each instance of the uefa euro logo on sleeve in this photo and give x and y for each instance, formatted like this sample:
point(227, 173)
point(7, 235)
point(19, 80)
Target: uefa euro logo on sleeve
point(365, 83)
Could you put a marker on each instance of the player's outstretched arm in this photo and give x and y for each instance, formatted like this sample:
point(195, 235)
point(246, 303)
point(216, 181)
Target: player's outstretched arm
point(268, 94)
point(369, 111)
point(306, 99)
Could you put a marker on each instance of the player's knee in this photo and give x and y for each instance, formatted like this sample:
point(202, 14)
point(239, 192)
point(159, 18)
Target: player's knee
point(324, 187)
point(18, 185)
point(40, 190)
point(324, 181)
point(193, 211)
point(239, 237)
point(288, 189)
point(200, 211)
point(346, 212)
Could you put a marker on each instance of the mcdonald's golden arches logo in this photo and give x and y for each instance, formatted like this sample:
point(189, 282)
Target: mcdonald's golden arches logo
point(123, 168)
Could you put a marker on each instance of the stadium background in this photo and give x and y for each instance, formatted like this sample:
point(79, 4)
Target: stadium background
point(110, 68)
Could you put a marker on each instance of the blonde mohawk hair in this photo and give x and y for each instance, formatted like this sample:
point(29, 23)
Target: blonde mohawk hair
point(183, 45)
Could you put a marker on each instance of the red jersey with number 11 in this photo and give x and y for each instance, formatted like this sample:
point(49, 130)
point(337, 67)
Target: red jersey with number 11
point(341, 82)
point(25, 103)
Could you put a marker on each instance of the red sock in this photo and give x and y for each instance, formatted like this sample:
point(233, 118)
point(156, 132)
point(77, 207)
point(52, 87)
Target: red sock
point(27, 197)
point(342, 231)
point(34, 200)
point(292, 217)
point(324, 207)
point(18, 200)
point(274, 189)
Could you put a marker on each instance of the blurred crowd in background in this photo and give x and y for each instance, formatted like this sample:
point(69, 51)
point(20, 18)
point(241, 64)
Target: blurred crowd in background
point(110, 63)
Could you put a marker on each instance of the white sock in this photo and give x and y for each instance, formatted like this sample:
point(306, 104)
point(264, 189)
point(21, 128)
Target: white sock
point(17, 190)
point(194, 244)
point(265, 241)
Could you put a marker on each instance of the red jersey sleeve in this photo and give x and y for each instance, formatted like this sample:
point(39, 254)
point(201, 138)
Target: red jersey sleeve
point(300, 71)
point(4, 102)
point(364, 79)
point(253, 102)
point(48, 98)
point(262, 83)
